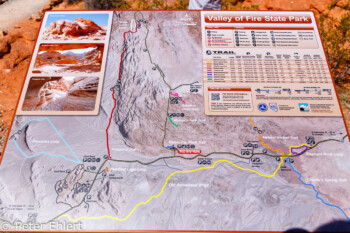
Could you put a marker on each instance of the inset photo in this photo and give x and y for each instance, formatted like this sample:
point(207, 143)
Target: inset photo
point(76, 27)
point(69, 58)
point(61, 94)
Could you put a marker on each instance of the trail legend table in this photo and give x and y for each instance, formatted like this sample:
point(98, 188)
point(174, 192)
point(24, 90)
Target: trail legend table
point(280, 59)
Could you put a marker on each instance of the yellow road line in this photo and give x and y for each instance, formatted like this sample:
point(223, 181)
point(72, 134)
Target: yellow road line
point(165, 184)
point(190, 171)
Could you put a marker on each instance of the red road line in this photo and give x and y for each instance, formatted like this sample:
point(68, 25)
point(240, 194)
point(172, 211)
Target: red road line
point(114, 99)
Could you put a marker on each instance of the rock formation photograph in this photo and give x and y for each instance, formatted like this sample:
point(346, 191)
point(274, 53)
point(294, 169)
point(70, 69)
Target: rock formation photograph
point(76, 27)
point(70, 58)
point(61, 94)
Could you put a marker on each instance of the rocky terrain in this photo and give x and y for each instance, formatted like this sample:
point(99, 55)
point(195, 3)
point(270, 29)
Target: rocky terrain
point(81, 29)
point(82, 94)
point(59, 58)
point(61, 94)
point(42, 90)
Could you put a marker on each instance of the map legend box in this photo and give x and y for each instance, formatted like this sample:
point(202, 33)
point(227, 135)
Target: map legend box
point(269, 54)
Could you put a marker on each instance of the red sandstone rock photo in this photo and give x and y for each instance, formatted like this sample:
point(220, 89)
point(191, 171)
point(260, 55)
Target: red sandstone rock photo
point(75, 27)
point(69, 58)
point(61, 94)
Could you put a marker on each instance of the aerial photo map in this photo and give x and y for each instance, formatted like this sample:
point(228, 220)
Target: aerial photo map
point(176, 120)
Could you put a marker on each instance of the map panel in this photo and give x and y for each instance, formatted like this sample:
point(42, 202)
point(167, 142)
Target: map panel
point(153, 160)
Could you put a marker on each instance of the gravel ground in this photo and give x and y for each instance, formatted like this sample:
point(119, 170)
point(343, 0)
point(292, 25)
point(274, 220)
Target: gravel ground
point(12, 11)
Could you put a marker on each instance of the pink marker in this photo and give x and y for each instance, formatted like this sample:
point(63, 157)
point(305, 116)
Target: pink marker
point(177, 95)
point(174, 94)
